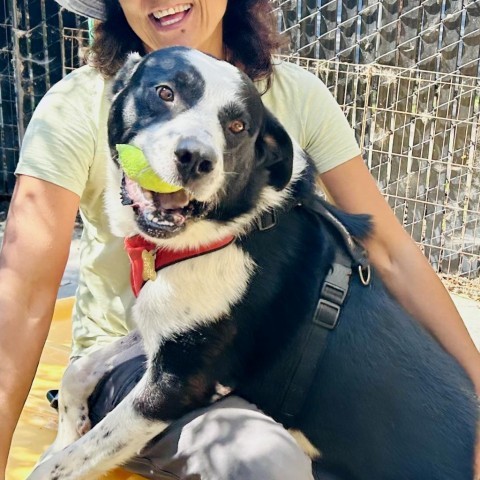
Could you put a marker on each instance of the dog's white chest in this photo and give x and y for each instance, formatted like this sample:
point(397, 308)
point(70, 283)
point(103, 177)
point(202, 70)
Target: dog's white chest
point(193, 292)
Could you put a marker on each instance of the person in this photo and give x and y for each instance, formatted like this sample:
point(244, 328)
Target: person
point(62, 168)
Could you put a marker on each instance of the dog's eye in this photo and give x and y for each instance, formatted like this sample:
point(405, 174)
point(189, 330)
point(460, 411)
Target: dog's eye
point(236, 126)
point(165, 93)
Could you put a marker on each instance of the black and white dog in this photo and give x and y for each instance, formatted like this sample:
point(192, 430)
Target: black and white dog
point(236, 307)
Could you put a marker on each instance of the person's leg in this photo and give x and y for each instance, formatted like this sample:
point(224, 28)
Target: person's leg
point(229, 440)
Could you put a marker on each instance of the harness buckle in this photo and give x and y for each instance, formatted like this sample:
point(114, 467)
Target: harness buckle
point(333, 292)
point(326, 314)
point(267, 220)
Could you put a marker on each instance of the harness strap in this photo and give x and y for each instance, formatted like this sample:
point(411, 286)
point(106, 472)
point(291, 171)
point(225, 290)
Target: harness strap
point(348, 255)
point(332, 295)
point(355, 251)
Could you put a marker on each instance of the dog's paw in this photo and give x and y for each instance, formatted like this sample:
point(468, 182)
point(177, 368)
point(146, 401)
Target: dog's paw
point(48, 470)
point(61, 467)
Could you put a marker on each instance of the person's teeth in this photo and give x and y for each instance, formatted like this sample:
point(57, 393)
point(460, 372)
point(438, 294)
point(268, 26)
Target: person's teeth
point(171, 11)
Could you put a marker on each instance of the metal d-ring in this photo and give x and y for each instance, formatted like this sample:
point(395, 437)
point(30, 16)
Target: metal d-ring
point(362, 271)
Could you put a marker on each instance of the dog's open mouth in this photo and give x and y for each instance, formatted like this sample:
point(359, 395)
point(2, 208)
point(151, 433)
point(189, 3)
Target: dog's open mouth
point(161, 215)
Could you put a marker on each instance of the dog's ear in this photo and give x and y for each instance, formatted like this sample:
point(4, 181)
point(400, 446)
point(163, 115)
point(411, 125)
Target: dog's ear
point(125, 73)
point(275, 151)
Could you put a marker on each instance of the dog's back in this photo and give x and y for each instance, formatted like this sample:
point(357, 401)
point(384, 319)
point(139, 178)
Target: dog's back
point(386, 401)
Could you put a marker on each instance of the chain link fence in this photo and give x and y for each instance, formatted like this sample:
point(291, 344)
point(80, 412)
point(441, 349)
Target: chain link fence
point(40, 43)
point(421, 140)
point(435, 35)
point(405, 72)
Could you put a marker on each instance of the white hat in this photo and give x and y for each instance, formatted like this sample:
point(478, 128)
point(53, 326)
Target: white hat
point(87, 8)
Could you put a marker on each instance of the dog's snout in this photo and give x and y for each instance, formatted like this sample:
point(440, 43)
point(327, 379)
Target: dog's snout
point(194, 158)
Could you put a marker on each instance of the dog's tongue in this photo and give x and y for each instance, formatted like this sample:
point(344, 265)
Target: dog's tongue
point(172, 201)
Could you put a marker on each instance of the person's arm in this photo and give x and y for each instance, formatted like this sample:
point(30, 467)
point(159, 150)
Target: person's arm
point(400, 263)
point(32, 260)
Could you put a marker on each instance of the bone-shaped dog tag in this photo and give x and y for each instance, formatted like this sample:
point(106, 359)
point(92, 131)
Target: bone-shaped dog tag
point(148, 259)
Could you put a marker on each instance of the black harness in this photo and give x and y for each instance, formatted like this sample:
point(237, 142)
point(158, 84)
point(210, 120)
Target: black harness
point(349, 257)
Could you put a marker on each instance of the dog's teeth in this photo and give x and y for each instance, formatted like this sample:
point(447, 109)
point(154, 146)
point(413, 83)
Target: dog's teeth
point(147, 194)
point(150, 216)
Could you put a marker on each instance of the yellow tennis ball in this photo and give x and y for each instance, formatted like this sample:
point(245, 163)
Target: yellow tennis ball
point(136, 167)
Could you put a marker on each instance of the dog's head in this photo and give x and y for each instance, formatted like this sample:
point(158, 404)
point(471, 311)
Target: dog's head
point(202, 126)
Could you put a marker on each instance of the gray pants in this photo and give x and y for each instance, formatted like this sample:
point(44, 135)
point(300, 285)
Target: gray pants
point(230, 440)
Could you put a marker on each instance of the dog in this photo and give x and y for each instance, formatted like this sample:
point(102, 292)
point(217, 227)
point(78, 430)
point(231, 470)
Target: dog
point(365, 389)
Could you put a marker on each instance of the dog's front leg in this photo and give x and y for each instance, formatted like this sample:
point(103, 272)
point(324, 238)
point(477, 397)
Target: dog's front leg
point(113, 441)
point(78, 382)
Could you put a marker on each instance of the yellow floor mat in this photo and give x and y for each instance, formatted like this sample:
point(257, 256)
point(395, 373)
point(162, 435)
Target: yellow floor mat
point(38, 422)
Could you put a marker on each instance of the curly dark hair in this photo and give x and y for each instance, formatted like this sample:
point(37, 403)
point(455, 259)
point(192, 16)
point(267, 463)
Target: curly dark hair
point(249, 34)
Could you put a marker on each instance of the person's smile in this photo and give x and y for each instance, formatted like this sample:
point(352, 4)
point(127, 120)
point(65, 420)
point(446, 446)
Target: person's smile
point(195, 23)
point(172, 17)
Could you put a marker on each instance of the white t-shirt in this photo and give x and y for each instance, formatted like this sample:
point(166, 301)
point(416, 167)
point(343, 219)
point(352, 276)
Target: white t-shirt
point(66, 144)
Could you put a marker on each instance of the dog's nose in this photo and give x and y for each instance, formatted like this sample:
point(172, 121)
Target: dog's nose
point(194, 158)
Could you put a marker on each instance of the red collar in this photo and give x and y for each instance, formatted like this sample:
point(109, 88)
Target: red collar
point(146, 258)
